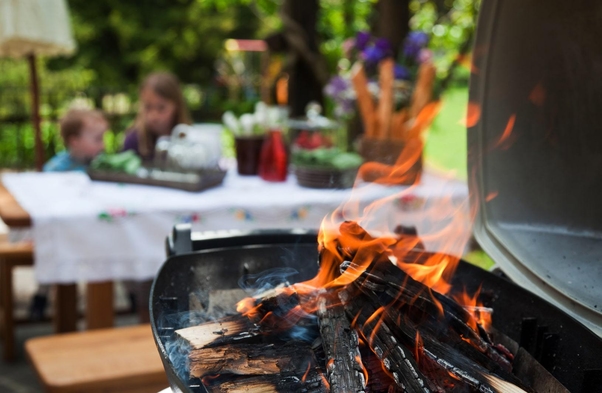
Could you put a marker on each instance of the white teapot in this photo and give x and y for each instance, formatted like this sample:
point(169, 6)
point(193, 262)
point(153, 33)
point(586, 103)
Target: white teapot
point(195, 147)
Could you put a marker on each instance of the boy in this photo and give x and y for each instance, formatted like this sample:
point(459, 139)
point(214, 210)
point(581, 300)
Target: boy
point(82, 131)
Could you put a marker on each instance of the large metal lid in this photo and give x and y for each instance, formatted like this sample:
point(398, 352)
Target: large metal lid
point(535, 155)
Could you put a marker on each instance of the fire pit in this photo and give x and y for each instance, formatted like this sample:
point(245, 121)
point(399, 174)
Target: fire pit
point(189, 283)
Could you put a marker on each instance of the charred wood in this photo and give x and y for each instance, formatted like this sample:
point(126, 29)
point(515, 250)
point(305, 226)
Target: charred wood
point(389, 281)
point(397, 360)
point(439, 354)
point(341, 344)
point(251, 359)
point(312, 382)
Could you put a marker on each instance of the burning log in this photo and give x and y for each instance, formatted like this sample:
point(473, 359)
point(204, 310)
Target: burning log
point(376, 329)
point(394, 284)
point(251, 359)
point(396, 360)
point(341, 344)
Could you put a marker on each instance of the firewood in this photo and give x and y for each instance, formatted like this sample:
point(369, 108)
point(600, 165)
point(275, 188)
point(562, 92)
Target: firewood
point(312, 382)
point(386, 277)
point(385, 102)
point(397, 360)
point(364, 99)
point(406, 331)
point(341, 344)
point(227, 330)
point(251, 359)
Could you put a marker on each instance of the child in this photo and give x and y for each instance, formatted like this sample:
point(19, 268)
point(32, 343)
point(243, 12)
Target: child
point(82, 131)
point(162, 107)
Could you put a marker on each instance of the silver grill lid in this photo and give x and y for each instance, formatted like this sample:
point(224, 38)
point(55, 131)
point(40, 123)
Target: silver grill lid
point(535, 155)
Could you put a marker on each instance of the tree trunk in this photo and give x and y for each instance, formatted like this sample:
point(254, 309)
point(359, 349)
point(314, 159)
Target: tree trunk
point(393, 22)
point(304, 85)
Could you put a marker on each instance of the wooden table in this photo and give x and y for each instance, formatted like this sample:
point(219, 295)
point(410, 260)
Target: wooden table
point(99, 304)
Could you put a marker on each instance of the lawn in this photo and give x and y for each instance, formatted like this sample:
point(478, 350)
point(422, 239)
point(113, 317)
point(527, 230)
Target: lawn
point(446, 139)
point(446, 149)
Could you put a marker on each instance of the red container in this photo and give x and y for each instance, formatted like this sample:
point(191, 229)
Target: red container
point(273, 164)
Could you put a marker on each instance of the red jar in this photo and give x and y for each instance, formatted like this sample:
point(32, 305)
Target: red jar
point(273, 165)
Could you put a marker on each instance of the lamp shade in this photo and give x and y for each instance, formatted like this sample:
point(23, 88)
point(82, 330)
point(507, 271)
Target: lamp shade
point(35, 27)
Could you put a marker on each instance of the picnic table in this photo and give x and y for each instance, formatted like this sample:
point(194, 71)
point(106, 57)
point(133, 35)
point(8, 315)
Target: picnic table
point(98, 232)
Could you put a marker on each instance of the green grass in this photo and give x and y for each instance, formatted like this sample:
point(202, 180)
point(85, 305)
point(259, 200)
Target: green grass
point(446, 140)
point(446, 149)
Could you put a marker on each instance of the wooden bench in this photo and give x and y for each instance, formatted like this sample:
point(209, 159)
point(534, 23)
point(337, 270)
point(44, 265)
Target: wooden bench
point(107, 360)
point(11, 256)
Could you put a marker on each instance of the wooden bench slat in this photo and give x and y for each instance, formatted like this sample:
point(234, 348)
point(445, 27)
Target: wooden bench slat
point(119, 359)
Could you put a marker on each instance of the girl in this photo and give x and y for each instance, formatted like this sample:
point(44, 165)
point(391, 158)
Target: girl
point(162, 107)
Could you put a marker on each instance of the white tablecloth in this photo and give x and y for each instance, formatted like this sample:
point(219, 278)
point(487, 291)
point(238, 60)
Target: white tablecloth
point(96, 231)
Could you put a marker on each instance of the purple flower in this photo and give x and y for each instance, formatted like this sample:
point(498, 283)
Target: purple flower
point(384, 45)
point(401, 72)
point(414, 42)
point(336, 86)
point(361, 40)
point(373, 54)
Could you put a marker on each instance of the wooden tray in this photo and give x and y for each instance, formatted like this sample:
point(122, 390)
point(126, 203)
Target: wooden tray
point(187, 181)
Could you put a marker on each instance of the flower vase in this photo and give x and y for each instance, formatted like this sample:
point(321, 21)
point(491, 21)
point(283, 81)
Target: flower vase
point(248, 152)
point(273, 165)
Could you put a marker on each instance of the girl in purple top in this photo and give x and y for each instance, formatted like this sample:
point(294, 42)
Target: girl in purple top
point(162, 107)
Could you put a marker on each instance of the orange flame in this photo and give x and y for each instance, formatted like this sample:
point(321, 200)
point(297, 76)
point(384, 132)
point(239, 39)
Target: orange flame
point(480, 314)
point(502, 142)
point(306, 372)
point(419, 345)
point(473, 115)
point(358, 360)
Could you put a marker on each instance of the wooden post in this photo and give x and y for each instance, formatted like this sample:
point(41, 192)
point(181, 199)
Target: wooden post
point(393, 22)
point(304, 85)
point(99, 305)
point(35, 112)
point(65, 308)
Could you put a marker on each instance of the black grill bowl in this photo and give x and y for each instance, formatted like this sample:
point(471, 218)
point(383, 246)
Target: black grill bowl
point(570, 351)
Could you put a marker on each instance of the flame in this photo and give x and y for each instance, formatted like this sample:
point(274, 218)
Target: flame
point(502, 142)
point(358, 360)
point(377, 314)
point(480, 315)
point(419, 346)
point(473, 115)
point(306, 372)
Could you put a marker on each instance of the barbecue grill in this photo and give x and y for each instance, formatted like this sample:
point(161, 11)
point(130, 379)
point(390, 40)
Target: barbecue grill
point(535, 174)
point(201, 264)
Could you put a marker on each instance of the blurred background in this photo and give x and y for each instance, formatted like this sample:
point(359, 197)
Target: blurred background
point(119, 42)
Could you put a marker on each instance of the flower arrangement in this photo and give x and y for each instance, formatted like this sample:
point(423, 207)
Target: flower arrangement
point(395, 103)
point(257, 123)
point(371, 52)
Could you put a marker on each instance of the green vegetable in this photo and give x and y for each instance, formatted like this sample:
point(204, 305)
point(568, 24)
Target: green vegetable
point(326, 158)
point(128, 162)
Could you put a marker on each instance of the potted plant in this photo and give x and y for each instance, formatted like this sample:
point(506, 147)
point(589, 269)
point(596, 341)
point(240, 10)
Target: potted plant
point(249, 132)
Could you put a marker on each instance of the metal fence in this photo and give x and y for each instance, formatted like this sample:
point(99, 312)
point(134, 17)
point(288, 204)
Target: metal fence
point(16, 130)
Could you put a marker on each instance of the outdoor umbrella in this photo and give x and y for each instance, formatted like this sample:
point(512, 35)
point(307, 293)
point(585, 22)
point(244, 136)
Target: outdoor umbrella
point(30, 28)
